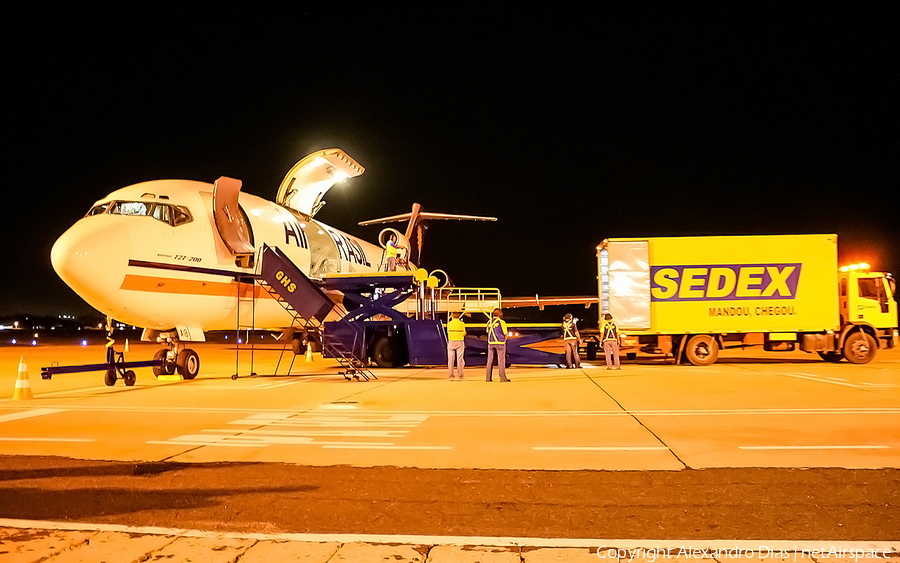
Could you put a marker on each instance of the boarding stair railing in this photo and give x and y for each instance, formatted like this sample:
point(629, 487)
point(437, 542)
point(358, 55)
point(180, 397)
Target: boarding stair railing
point(309, 306)
point(462, 299)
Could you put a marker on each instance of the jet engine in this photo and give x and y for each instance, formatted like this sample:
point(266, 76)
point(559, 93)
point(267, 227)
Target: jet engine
point(401, 241)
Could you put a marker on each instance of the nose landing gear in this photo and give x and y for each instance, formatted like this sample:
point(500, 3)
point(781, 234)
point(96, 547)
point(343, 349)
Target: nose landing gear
point(176, 358)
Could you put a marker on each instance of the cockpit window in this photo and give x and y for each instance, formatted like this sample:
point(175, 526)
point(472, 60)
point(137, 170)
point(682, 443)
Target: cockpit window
point(98, 209)
point(182, 215)
point(170, 214)
point(131, 208)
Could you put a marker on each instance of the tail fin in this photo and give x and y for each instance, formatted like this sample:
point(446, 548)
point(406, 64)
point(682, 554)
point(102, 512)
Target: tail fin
point(415, 225)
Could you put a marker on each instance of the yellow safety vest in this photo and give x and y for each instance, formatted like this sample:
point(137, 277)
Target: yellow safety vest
point(610, 331)
point(456, 330)
point(391, 250)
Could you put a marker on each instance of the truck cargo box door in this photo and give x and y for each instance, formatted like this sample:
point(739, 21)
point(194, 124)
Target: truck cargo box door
point(628, 275)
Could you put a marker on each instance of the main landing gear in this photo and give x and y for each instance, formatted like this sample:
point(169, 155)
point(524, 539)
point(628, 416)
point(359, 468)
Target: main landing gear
point(176, 358)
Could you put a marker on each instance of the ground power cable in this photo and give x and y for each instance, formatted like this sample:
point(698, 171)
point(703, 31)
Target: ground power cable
point(636, 419)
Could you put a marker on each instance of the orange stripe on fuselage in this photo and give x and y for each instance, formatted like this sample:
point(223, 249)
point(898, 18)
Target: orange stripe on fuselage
point(155, 284)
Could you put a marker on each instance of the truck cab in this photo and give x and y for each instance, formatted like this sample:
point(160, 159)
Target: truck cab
point(867, 301)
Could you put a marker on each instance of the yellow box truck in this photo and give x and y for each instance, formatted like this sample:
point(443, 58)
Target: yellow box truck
point(692, 296)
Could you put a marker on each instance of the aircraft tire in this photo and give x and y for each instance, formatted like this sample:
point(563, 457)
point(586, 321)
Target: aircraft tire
point(298, 346)
point(702, 350)
point(188, 363)
point(386, 353)
point(168, 368)
point(859, 347)
point(110, 377)
point(590, 352)
point(129, 378)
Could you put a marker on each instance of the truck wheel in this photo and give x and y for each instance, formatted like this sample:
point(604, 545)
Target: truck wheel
point(385, 352)
point(859, 348)
point(833, 357)
point(702, 350)
point(590, 352)
point(188, 363)
point(298, 346)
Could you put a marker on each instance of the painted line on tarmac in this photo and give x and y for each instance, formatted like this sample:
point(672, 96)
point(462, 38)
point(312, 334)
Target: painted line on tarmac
point(377, 447)
point(28, 414)
point(824, 447)
point(105, 388)
point(8, 439)
point(259, 441)
point(892, 548)
point(542, 413)
point(822, 379)
point(600, 448)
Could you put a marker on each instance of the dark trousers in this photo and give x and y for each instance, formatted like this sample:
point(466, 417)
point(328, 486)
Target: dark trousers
point(500, 351)
point(572, 354)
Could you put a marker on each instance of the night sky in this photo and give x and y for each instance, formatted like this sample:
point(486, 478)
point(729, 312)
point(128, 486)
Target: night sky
point(570, 122)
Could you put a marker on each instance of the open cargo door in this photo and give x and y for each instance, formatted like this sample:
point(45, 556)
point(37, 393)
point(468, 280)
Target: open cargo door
point(625, 283)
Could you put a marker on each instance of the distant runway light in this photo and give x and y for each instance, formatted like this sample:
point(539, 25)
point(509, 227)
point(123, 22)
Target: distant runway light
point(34, 342)
point(84, 342)
point(13, 341)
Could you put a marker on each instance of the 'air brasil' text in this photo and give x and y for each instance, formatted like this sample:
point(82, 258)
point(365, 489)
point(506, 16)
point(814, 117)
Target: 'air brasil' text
point(724, 282)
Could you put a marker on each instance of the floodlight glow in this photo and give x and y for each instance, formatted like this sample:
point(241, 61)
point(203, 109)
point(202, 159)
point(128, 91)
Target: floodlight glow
point(855, 267)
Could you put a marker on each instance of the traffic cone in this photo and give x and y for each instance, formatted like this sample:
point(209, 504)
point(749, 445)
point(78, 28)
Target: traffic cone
point(23, 385)
point(126, 346)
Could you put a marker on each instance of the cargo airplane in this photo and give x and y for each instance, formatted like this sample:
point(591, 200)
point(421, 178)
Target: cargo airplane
point(173, 256)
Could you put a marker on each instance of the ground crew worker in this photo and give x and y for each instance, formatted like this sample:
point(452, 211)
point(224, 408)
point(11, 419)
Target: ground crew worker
point(610, 335)
point(496, 333)
point(571, 337)
point(392, 251)
point(456, 345)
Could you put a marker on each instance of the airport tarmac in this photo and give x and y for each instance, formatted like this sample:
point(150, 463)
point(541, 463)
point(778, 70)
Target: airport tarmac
point(761, 446)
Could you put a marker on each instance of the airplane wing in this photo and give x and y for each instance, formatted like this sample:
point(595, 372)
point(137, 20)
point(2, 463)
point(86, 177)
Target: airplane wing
point(306, 183)
point(541, 302)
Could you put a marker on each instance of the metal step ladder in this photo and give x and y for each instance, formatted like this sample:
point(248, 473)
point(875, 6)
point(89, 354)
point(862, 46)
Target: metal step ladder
point(354, 366)
point(309, 306)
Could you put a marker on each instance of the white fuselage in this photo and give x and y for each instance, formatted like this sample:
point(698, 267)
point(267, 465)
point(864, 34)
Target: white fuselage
point(150, 255)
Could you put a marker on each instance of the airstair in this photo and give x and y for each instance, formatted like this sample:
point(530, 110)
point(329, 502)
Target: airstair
point(309, 306)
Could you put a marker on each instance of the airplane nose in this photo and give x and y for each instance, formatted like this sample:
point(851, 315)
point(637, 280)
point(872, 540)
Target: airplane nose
point(87, 258)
